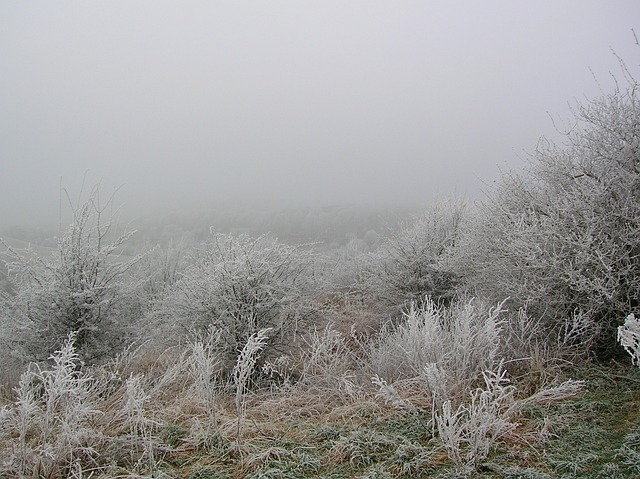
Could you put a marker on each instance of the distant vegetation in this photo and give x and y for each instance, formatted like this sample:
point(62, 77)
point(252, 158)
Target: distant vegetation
point(347, 342)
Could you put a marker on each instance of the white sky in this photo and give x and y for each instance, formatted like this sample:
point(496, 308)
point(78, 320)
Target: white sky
point(184, 103)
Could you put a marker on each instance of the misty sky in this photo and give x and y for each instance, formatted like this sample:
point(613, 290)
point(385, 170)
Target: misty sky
point(287, 102)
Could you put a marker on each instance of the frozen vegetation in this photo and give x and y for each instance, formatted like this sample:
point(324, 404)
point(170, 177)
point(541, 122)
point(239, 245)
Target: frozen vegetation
point(470, 341)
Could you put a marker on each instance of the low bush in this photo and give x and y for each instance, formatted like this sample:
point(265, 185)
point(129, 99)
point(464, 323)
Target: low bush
point(461, 341)
point(238, 285)
point(469, 432)
point(412, 262)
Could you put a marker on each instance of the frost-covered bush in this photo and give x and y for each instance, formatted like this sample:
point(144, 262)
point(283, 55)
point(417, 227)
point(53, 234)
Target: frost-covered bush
point(450, 361)
point(239, 285)
point(449, 347)
point(469, 431)
point(562, 237)
point(159, 270)
point(412, 262)
point(84, 287)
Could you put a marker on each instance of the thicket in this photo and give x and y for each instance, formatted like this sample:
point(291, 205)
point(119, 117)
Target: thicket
point(561, 238)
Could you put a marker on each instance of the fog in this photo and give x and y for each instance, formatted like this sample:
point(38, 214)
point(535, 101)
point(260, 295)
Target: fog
point(185, 106)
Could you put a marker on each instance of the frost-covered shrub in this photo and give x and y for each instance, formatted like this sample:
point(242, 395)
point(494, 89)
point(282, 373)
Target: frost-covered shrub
point(84, 288)
point(562, 237)
point(238, 285)
point(471, 430)
point(411, 262)
point(159, 270)
point(455, 344)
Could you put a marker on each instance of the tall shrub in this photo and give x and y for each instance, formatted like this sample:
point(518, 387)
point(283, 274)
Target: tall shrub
point(83, 288)
point(562, 238)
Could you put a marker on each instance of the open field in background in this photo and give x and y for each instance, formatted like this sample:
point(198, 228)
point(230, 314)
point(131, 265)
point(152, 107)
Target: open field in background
point(331, 225)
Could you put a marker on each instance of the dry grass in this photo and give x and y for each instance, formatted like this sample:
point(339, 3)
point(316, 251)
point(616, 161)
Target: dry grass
point(176, 415)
